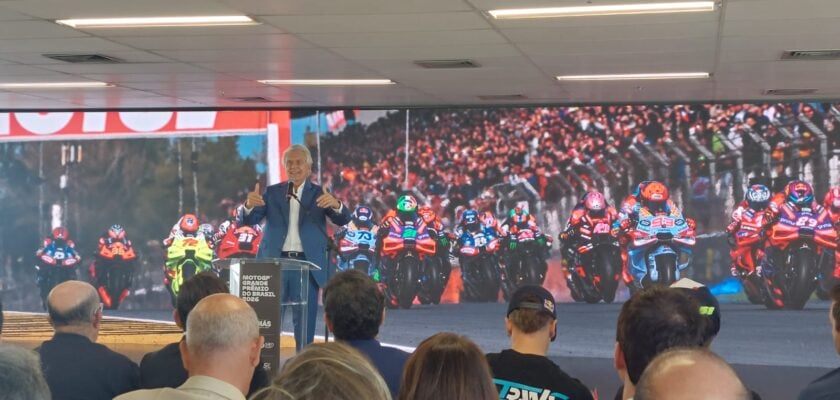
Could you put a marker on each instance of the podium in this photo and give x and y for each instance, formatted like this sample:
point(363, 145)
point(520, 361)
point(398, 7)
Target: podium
point(259, 283)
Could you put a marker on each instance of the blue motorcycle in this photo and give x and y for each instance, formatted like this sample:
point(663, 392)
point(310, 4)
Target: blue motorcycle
point(56, 264)
point(660, 249)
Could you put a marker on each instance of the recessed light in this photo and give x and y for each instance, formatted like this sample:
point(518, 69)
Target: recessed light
point(611, 9)
point(633, 77)
point(55, 85)
point(328, 82)
point(152, 22)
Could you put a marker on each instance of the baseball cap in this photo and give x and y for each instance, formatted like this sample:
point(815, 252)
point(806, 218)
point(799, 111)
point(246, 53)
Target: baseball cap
point(520, 300)
point(709, 305)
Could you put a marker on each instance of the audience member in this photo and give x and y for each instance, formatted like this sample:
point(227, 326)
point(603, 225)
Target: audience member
point(354, 309)
point(651, 322)
point(221, 350)
point(75, 366)
point(164, 368)
point(690, 374)
point(333, 371)
point(20, 375)
point(709, 305)
point(524, 371)
point(447, 366)
point(828, 386)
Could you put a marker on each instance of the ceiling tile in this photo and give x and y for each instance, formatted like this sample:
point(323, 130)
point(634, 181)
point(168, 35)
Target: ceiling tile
point(612, 32)
point(408, 39)
point(620, 46)
point(779, 9)
point(253, 42)
point(353, 7)
point(139, 68)
point(378, 22)
point(39, 59)
point(429, 52)
point(36, 30)
point(61, 9)
point(69, 45)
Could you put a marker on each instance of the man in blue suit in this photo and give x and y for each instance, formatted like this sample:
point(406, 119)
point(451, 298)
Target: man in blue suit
point(296, 213)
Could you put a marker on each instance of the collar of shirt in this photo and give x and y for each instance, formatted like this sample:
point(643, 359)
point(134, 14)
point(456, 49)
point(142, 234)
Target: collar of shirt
point(207, 383)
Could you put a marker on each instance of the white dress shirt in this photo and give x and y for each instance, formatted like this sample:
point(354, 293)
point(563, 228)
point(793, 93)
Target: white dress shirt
point(293, 242)
point(197, 387)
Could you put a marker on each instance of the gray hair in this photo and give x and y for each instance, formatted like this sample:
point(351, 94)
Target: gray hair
point(298, 147)
point(217, 329)
point(327, 371)
point(20, 375)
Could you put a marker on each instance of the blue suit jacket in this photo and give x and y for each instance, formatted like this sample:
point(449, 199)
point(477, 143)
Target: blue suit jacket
point(312, 224)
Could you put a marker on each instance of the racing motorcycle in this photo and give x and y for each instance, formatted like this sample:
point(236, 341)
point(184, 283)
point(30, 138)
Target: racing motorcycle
point(186, 257)
point(748, 253)
point(597, 267)
point(440, 264)
point(241, 242)
point(660, 249)
point(801, 236)
point(404, 250)
point(112, 271)
point(526, 262)
point(479, 261)
point(56, 264)
point(356, 251)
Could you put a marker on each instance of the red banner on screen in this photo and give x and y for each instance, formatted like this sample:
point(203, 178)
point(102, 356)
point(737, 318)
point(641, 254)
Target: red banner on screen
point(113, 124)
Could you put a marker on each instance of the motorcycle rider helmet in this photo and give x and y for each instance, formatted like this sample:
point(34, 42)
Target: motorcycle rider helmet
point(469, 219)
point(832, 199)
point(758, 197)
point(427, 214)
point(641, 186)
point(799, 193)
point(189, 223)
point(207, 230)
point(488, 219)
point(116, 232)
point(362, 215)
point(60, 233)
point(654, 195)
point(595, 203)
point(407, 204)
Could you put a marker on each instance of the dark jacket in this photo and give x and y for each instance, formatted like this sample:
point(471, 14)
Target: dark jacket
point(77, 368)
point(388, 360)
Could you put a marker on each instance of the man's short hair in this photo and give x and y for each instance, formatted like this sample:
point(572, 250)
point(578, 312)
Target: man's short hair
point(655, 320)
point(835, 306)
point(531, 308)
point(298, 147)
point(354, 305)
point(20, 375)
point(83, 313)
point(211, 331)
point(195, 289)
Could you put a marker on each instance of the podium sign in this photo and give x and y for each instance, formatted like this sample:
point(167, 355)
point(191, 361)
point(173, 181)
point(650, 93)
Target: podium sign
point(259, 283)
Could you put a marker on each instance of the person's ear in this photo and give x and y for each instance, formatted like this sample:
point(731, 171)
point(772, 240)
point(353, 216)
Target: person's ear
point(508, 326)
point(254, 357)
point(176, 316)
point(185, 354)
point(552, 330)
point(97, 318)
point(618, 360)
point(328, 323)
point(383, 317)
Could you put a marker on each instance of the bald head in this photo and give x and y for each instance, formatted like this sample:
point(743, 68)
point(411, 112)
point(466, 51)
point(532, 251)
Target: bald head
point(220, 323)
point(690, 374)
point(72, 303)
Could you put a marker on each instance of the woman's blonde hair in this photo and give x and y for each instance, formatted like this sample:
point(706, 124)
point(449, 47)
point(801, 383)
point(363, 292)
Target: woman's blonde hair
point(447, 366)
point(332, 370)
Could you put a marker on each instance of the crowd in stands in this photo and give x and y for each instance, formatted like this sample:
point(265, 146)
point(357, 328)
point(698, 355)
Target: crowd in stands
point(457, 156)
point(662, 351)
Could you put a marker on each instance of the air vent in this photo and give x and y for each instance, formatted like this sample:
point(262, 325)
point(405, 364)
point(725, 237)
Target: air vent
point(251, 99)
point(789, 92)
point(447, 64)
point(85, 58)
point(811, 55)
point(503, 97)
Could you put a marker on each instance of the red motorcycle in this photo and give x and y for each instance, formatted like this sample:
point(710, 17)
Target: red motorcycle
point(238, 242)
point(112, 271)
point(801, 236)
point(597, 262)
point(404, 251)
point(747, 253)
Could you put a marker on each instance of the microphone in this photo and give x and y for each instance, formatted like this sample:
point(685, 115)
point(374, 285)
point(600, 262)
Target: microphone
point(290, 192)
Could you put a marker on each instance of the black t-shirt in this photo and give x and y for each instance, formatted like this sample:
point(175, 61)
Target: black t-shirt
point(523, 376)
